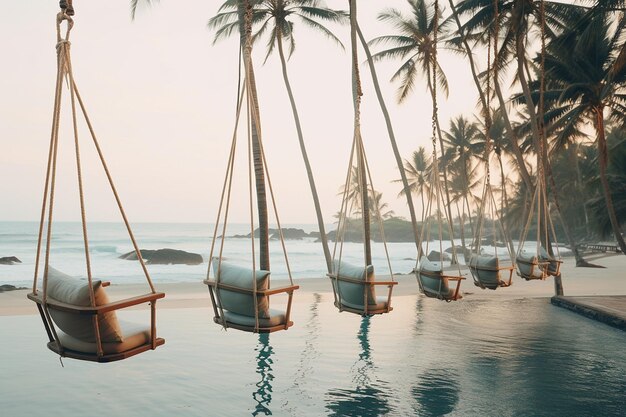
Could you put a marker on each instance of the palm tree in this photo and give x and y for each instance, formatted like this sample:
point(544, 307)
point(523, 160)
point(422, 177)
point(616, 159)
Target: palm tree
point(462, 41)
point(416, 45)
point(587, 70)
point(463, 145)
point(276, 16)
point(417, 172)
point(392, 139)
point(518, 18)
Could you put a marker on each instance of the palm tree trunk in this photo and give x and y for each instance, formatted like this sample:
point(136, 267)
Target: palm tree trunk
point(509, 127)
point(245, 30)
point(603, 157)
point(305, 157)
point(392, 139)
point(510, 133)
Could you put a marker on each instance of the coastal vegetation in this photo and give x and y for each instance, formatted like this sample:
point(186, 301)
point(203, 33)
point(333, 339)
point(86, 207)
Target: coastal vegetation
point(550, 80)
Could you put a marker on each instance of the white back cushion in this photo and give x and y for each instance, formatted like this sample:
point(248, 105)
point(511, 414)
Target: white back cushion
point(69, 290)
point(241, 277)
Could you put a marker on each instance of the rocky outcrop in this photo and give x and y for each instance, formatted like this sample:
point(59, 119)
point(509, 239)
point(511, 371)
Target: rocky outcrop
point(9, 260)
point(289, 233)
point(165, 257)
point(435, 256)
point(7, 287)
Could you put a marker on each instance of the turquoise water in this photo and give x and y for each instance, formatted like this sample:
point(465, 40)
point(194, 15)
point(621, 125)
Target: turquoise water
point(513, 357)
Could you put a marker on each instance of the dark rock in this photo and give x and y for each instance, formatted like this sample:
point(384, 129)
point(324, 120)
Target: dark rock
point(435, 256)
point(9, 260)
point(165, 257)
point(289, 233)
point(7, 287)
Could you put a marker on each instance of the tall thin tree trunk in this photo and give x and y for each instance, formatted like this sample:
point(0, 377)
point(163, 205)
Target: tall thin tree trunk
point(245, 30)
point(513, 140)
point(392, 139)
point(603, 158)
point(305, 157)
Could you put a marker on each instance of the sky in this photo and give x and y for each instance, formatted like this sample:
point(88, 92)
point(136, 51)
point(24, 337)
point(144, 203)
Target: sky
point(162, 98)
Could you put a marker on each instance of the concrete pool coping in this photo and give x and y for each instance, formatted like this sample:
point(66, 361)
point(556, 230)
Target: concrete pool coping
point(608, 309)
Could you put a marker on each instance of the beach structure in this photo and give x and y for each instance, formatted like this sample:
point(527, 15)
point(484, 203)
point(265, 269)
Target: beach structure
point(489, 271)
point(80, 321)
point(433, 279)
point(240, 296)
point(354, 287)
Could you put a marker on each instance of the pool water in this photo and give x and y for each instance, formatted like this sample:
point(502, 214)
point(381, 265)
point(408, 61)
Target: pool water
point(500, 357)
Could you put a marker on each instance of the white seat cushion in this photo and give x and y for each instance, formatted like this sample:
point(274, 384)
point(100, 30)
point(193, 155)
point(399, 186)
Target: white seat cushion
point(276, 318)
point(134, 335)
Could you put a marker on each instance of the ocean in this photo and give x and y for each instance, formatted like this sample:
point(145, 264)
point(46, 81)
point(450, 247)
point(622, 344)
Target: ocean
point(107, 241)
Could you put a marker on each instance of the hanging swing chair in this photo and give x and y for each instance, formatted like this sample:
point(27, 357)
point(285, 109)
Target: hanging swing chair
point(354, 287)
point(433, 278)
point(241, 296)
point(538, 263)
point(80, 321)
point(489, 271)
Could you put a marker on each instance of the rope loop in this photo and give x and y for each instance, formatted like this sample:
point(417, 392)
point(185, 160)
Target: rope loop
point(63, 16)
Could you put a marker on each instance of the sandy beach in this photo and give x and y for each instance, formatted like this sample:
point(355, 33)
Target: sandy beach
point(610, 280)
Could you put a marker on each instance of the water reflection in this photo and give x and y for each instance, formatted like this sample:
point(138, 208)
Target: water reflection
point(309, 358)
point(263, 393)
point(369, 397)
point(436, 393)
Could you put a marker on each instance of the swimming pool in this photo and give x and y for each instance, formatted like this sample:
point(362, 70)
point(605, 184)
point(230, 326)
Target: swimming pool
point(494, 357)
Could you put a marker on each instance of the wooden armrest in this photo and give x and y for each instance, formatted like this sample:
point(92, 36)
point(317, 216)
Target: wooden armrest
point(454, 278)
point(250, 291)
point(360, 282)
point(88, 310)
point(387, 283)
point(278, 290)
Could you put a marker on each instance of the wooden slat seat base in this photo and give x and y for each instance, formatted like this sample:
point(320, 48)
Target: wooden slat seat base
point(368, 285)
point(362, 312)
point(92, 357)
point(252, 329)
point(477, 271)
point(53, 344)
point(215, 286)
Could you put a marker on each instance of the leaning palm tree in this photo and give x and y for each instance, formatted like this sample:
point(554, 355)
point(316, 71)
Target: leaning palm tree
point(277, 17)
point(587, 70)
point(416, 45)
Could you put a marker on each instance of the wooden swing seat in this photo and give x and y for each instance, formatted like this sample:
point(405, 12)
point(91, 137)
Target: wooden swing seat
point(148, 342)
point(376, 305)
point(435, 284)
point(276, 320)
point(531, 268)
point(553, 264)
point(488, 273)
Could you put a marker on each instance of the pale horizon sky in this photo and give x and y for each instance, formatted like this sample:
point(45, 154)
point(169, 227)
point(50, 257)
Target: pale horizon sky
point(161, 98)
